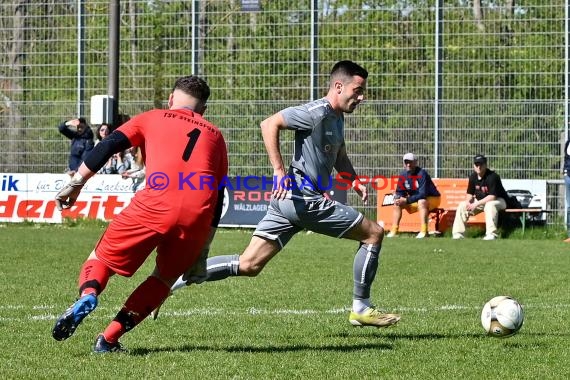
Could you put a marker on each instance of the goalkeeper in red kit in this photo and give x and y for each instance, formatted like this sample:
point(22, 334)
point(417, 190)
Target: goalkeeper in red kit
point(177, 212)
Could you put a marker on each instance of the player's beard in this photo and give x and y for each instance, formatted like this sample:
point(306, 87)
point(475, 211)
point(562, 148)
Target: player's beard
point(351, 107)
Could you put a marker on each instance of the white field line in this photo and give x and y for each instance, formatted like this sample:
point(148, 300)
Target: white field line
point(51, 312)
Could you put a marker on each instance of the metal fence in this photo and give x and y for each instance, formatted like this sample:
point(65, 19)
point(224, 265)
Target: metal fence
point(447, 81)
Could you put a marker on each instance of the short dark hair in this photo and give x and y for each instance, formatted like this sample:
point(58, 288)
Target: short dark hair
point(193, 86)
point(348, 69)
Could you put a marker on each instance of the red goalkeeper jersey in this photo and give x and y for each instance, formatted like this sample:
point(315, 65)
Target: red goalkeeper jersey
point(185, 160)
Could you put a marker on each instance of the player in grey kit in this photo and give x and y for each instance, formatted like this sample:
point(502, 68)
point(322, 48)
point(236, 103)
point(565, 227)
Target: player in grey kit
point(298, 200)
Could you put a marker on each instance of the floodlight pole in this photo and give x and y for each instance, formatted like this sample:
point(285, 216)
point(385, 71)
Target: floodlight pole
point(80, 57)
point(195, 33)
point(566, 68)
point(566, 91)
point(438, 94)
point(314, 86)
point(114, 50)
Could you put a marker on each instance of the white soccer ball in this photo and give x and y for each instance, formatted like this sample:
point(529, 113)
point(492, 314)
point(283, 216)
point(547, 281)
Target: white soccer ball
point(502, 316)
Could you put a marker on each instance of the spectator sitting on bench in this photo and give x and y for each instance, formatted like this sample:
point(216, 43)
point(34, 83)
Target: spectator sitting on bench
point(485, 193)
point(415, 192)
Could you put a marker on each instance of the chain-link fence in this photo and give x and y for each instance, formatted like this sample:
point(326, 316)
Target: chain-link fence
point(446, 81)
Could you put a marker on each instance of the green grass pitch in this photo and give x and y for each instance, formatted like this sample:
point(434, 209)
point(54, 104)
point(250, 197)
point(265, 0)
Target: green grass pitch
point(291, 322)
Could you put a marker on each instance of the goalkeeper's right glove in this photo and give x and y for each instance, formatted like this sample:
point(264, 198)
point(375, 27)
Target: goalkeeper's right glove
point(68, 195)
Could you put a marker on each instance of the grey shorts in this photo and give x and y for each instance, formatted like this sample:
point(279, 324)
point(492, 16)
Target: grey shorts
point(286, 217)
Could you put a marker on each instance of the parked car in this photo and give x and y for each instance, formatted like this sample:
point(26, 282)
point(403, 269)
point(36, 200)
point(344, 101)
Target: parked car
point(523, 196)
point(529, 200)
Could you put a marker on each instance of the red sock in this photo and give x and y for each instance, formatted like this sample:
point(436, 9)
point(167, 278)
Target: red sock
point(93, 277)
point(147, 297)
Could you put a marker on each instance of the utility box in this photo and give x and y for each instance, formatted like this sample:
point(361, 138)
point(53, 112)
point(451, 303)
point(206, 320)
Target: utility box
point(102, 107)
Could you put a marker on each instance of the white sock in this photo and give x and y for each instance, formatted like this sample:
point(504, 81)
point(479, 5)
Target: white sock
point(358, 306)
point(178, 284)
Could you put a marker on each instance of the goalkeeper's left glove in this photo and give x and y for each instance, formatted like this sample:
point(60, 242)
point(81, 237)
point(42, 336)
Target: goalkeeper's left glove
point(68, 195)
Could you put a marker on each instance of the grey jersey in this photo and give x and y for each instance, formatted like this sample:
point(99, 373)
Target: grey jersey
point(319, 135)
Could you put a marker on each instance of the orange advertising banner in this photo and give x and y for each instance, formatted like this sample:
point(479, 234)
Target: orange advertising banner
point(452, 192)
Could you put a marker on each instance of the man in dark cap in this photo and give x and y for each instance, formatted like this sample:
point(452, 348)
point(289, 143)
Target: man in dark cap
point(485, 193)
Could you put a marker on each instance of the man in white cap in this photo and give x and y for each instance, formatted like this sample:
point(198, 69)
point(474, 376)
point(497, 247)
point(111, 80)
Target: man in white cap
point(415, 192)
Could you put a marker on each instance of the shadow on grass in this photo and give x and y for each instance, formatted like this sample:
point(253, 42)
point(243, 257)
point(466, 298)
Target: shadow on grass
point(510, 342)
point(393, 336)
point(263, 349)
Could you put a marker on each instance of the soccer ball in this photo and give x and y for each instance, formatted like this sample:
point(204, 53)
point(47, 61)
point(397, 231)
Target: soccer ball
point(502, 316)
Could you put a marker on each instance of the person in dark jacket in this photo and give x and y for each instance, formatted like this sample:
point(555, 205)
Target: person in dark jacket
point(485, 193)
point(81, 136)
point(415, 192)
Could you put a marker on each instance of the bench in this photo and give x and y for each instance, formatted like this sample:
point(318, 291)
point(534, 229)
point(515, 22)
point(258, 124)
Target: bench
point(453, 191)
point(437, 214)
point(523, 213)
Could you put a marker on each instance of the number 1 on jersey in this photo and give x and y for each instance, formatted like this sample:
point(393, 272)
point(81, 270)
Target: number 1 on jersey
point(193, 137)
